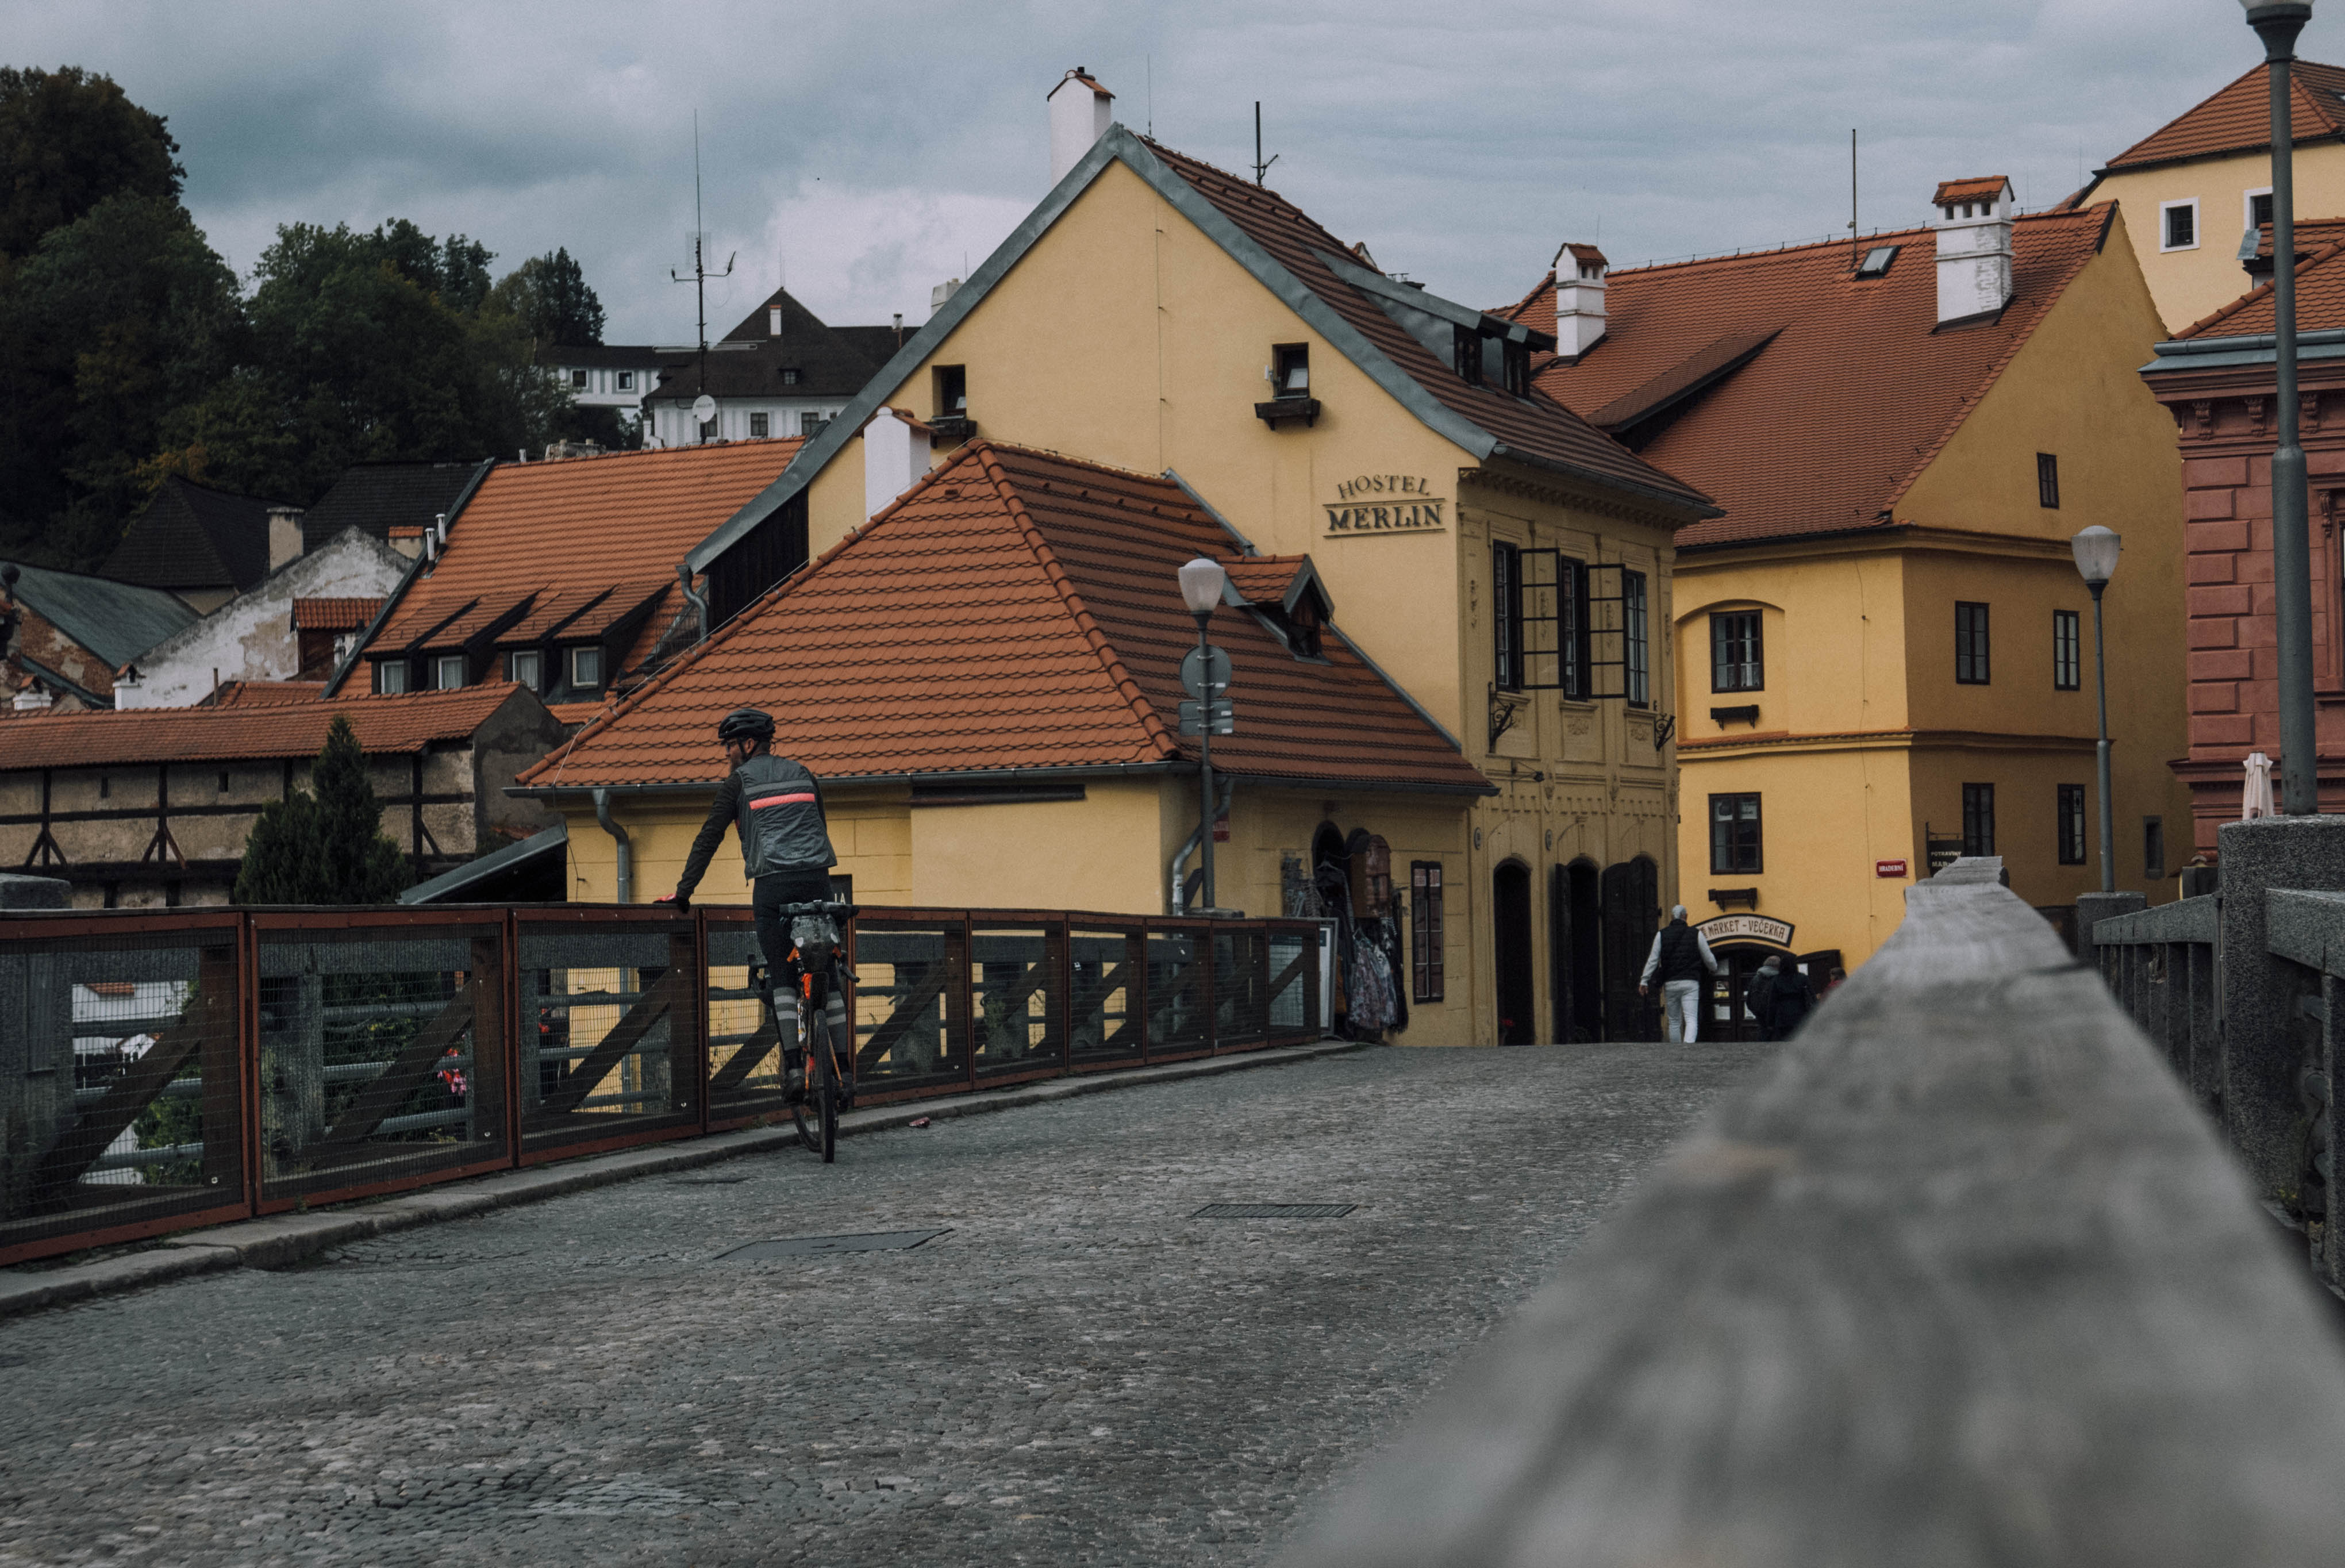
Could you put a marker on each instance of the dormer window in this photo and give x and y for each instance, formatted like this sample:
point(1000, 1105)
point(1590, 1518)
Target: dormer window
point(586, 669)
point(789, 375)
point(1302, 625)
point(1515, 363)
point(1876, 261)
point(448, 671)
point(1468, 355)
point(1290, 370)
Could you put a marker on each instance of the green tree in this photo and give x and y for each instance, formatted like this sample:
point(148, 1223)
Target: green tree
point(115, 319)
point(550, 297)
point(326, 845)
point(68, 140)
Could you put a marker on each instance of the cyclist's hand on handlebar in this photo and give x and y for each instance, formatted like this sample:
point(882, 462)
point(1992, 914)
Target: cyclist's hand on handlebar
point(681, 901)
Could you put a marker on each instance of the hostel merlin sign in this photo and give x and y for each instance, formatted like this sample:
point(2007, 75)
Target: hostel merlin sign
point(1385, 504)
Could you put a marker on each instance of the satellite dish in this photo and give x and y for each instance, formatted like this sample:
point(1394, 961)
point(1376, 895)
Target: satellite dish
point(703, 408)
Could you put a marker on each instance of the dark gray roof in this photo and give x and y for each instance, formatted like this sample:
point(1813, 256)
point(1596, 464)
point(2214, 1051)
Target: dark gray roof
point(486, 878)
point(192, 536)
point(114, 621)
point(831, 361)
point(600, 356)
point(376, 498)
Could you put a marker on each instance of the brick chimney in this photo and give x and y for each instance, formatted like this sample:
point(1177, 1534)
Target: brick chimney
point(1974, 226)
point(1079, 116)
point(1578, 298)
point(284, 535)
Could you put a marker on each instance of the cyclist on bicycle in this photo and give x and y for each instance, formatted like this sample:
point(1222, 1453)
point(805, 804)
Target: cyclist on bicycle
point(777, 805)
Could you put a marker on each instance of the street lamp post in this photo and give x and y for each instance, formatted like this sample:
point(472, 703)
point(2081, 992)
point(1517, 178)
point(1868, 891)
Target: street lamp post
point(1201, 590)
point(2095, 550)
point(2277, 26)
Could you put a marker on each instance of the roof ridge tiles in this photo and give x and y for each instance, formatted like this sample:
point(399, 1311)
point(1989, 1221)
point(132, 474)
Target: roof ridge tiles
point(1877, 237)
point(1150, 722)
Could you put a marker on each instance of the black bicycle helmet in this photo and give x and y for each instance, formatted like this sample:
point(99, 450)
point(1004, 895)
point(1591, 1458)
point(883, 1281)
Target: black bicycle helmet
point(746, 724)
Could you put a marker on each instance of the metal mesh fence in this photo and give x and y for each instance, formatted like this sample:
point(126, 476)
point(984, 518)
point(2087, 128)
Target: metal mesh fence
point(911, 1020)
point(1015, 978)
point(1240, 984)
point(1106, 969)
point(745, 1059)
point(382, 1055)
point(119, 1083)
point(610, 1046)
point(1293, 984)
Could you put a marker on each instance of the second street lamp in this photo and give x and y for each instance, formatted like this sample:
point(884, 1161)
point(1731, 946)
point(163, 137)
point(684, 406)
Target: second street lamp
point(1202, 581)
point(2278, 25)
point(2095, 550)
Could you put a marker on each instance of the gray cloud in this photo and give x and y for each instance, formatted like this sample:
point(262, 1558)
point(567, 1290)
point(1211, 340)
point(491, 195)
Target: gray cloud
point(869, 149)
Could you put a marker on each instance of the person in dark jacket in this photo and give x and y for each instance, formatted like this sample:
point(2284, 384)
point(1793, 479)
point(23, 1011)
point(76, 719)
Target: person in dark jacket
point(1681, 958)
point(1781, 997)
point(777, 805)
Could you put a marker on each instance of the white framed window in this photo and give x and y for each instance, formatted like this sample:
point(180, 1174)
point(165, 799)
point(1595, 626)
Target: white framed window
point(760, 425)
point(626, 381)
point(390, 675)
point(2178, 225)
point(578, 381)
point(586, 668)
point(709, 430)
point(2255, 208)
point(448, 671)
point(526, 666)
point(811, 423)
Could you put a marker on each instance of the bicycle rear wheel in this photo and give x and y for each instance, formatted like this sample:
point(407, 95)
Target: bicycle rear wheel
point(817, 1112)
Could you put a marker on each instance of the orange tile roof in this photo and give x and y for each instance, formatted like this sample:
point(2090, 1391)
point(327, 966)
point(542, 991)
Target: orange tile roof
point(333, 615)
point(1850, 392)
point(549, 533)
point(1015, 609)
point(1265, 579)
point(264, 693)
point(246, 731)
point(2237, 118)
point(1984, 187)
point(2319, 301)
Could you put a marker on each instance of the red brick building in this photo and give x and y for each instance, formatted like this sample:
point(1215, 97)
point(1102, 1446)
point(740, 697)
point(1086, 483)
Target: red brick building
point(2218, 380)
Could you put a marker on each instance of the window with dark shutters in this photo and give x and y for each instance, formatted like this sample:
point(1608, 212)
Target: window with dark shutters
point(1970, 644)
point(1425, 931)
point(2072, 824)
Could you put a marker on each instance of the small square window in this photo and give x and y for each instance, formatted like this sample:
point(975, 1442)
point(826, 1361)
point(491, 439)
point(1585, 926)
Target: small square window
point(586, 668)
point(709, 430)
point(1876, 261)
point(2048, 481)
point(448, 671)
point(390, 677)
point(626, 381)
point(789, 375)
point(1290, 370)
point(760, 425)
point(2178, 225)
point(811, 424)
point(2259, 208)
point(578, 381)
point(951, 391)
point(526, 666)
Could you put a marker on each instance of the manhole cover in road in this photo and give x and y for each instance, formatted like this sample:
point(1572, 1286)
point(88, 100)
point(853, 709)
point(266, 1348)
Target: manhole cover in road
point(1275, 1211)
point(806, 1246)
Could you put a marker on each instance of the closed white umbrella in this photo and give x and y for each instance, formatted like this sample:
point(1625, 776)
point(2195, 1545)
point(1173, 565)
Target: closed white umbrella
point(2257, 800)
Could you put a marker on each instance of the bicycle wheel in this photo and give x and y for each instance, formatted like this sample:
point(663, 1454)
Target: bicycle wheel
point(817, 1113)
point(807, 1110)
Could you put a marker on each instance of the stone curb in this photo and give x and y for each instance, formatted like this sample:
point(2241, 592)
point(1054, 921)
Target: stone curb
point(279, 1239)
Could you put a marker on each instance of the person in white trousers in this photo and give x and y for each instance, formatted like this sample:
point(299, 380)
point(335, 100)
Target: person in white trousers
point(1680, 956)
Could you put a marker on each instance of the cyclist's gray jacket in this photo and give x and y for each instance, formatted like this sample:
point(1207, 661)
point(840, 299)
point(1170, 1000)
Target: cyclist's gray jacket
point(777, 805)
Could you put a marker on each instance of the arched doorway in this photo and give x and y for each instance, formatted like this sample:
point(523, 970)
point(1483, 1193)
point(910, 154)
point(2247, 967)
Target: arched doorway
point(1510, 913)
point(1632, 912)
point(1584, 884)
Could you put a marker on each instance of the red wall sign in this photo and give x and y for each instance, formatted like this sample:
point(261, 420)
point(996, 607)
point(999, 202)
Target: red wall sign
point(1888, 867)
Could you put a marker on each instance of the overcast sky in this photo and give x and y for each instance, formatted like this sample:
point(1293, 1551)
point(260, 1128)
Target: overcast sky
point(875, 149)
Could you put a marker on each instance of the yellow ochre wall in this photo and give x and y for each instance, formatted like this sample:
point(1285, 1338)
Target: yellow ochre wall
point(1863, 736)
point(2196, 282)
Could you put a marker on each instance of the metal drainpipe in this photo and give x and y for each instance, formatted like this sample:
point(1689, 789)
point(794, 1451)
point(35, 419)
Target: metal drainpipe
point(619, 835)
point(1190, 848)
point(698, 601)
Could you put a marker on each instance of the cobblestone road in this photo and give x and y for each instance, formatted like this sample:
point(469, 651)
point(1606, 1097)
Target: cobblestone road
point(1077, 1372)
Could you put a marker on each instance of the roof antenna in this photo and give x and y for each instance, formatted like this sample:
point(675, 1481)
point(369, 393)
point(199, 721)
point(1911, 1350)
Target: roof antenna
point(1259, 167)
point(1151, 95)
point(1852, 199)
point(700, 273)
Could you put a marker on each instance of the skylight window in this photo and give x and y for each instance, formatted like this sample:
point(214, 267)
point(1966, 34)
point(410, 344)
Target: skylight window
point(1876, 261)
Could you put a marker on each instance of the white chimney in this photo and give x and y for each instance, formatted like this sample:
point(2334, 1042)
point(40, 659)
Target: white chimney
point(1973, 219)
point(941, 293)
point(34, 697)
point(284, 535)
point(1578, 298)
point(772, 321)
point(895, 451)
point(1078, 118)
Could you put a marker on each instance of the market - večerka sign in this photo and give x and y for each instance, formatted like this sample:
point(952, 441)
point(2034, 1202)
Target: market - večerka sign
point(1748, 928)
point(1385, 504)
